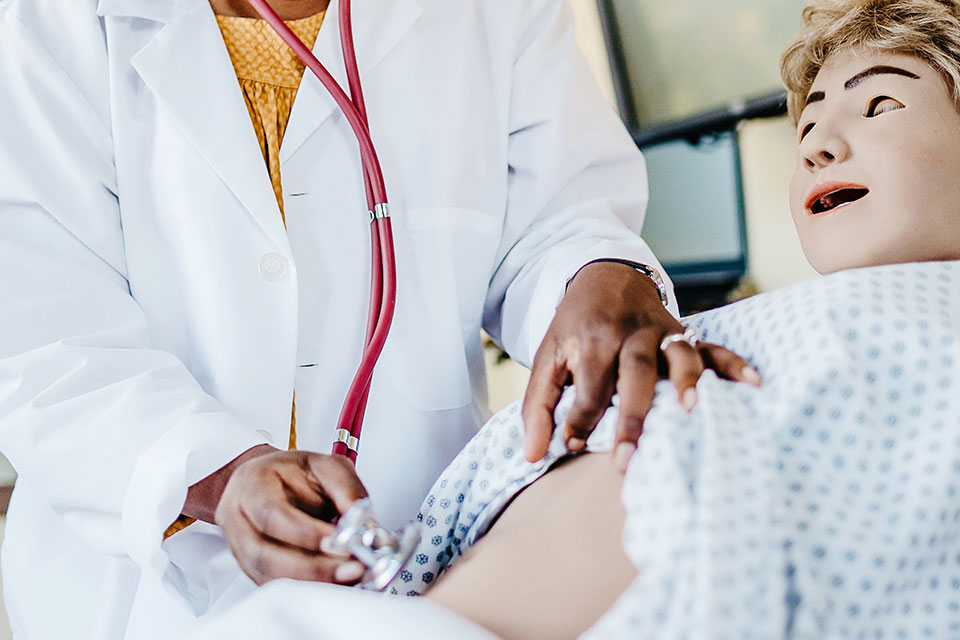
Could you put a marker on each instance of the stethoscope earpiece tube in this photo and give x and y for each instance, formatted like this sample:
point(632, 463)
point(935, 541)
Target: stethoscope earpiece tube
point(368, 154)
point(383, 274)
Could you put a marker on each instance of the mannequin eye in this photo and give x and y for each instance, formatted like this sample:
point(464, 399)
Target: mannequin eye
point(881, 104)
point(807, 129)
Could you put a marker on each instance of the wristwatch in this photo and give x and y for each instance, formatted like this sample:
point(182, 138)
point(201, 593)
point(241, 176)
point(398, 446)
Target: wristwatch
point(645, 269)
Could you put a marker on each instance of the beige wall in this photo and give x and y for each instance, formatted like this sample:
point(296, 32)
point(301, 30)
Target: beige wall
point(590, 38)
point(767, 162)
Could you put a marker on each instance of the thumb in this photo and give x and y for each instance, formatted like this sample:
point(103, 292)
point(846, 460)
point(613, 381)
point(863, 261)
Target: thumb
point(337, 478)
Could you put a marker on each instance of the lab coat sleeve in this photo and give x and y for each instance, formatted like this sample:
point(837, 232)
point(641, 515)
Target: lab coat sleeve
point(577, 183)
point(109, 430)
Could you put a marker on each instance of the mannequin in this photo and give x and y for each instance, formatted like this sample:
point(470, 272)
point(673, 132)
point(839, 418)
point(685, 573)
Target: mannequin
point(875, 183)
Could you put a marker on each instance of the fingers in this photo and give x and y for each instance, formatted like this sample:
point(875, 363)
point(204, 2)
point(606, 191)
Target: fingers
point(268, 515)
point(594, 375)
point(287, 524)
point(278, 497)
point(336, 478)
point(729, 365)
point(264, 559)
point(547, 379)
point(636, 387)
point(303, 491)
point(685, 367)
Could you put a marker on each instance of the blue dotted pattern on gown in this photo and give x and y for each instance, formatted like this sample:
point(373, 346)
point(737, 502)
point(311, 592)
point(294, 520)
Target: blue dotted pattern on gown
point(823, 505)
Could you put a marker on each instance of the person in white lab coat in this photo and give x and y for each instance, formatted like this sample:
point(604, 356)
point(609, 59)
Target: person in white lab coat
point(156, 315)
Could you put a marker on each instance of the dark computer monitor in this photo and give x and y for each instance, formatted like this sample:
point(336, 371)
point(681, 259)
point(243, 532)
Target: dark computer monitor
point(695, 218)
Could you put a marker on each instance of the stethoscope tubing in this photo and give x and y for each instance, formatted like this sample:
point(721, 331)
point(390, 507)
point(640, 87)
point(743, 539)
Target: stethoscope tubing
point(368, 154)
point(351, 414)
point(383, 279)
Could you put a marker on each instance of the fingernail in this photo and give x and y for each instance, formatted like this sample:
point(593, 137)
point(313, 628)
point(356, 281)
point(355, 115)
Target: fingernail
point(576, 444)
point(349, 572)
point(689, 400)
point(622, 455)
point(751, 376)
point(327, 547)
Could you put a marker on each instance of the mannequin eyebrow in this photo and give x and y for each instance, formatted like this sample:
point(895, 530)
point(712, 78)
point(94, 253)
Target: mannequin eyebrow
point(818, 96)
point(876, 71)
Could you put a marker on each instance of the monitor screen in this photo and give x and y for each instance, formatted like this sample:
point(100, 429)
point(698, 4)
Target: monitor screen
point(695, 220)
point(671, 60)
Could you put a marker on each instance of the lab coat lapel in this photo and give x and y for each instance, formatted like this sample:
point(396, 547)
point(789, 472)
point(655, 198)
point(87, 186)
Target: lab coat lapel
point(378, 25)
point(187, 67)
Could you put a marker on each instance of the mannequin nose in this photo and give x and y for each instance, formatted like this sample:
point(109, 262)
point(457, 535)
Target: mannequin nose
point(823, 148)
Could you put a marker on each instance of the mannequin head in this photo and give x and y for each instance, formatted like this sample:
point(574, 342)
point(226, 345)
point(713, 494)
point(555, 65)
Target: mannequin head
point(873, 89)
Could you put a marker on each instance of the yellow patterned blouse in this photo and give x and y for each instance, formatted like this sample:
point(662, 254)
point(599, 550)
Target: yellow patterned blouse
point(269, 75)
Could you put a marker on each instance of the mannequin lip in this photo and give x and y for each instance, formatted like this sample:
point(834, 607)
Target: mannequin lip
point(828, 188)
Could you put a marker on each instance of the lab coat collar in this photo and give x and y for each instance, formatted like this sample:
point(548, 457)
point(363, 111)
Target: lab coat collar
point(187, 67)
point(378, 25)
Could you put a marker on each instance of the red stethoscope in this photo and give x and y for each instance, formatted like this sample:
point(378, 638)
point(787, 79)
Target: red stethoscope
point(383, 270)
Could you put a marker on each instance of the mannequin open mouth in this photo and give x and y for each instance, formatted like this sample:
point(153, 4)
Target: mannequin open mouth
point(836, 199)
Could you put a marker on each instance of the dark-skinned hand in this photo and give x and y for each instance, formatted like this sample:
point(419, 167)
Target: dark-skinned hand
point(277, 508)
point(605, 339)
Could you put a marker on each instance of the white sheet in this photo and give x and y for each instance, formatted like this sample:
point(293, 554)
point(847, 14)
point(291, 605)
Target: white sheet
point(289, 610)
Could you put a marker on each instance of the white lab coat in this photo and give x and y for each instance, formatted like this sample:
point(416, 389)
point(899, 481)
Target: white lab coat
point(156, 317)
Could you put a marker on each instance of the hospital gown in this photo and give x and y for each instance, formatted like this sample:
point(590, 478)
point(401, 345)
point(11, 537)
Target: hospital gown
point(822, 505)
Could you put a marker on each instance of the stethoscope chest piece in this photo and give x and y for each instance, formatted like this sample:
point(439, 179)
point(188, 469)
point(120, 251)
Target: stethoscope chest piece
point(384, 553)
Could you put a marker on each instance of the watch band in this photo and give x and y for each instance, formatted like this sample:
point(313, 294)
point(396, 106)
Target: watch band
point(645, 269)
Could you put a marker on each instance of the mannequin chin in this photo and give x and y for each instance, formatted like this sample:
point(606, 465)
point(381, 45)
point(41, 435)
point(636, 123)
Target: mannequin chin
point(877, 164)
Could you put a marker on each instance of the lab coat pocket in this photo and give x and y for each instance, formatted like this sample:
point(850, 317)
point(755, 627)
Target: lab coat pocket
point(437, 275)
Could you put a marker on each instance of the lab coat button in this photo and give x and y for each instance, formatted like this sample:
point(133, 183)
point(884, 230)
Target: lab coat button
point(273, 266)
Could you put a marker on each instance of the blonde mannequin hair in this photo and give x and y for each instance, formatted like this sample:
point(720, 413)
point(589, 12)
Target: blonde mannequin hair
point(927, 29)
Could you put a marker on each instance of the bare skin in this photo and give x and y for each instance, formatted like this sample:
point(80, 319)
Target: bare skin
point(554, 561)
